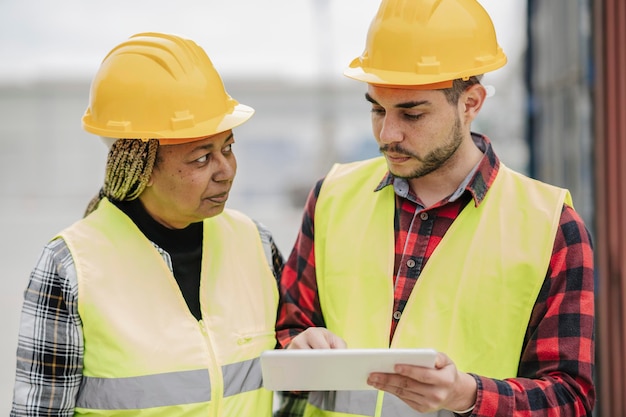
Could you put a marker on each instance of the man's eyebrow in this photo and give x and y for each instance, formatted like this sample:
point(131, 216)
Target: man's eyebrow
point(370, 99)
point(406, 105)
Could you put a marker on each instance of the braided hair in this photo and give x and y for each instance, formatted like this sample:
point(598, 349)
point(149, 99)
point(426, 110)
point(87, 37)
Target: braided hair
point(128, 168)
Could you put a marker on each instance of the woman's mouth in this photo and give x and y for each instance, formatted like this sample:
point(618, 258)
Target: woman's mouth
point(219, 198)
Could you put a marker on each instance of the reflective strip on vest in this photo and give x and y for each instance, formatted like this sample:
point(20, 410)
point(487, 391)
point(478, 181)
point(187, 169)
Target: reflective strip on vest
point(363, 403)
point(242, 377)
point(160, 390)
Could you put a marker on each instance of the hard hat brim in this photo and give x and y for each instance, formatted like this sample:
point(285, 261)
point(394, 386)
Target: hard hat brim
point(240, 114)
point(358, 71)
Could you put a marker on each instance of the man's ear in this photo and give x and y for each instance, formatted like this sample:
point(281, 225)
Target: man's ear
point(471, 101)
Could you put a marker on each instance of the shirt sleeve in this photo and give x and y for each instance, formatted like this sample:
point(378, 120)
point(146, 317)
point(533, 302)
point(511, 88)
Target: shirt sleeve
point(555, 375)
point(50, 348)
point(299, 306)
point(272, 253)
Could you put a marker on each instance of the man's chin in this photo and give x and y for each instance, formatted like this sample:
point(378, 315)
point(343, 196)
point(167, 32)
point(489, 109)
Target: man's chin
point(400, 170)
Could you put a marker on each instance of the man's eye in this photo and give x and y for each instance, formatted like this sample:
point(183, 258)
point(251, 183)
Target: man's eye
point(377, 110)
point(414, 116)
point(203, 158)
point(228, 148)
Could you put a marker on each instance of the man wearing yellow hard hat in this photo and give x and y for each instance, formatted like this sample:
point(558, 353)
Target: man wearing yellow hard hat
point(159, 301)
point(437, 244)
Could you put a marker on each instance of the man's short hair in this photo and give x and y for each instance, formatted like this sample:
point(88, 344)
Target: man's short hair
point(459, 86)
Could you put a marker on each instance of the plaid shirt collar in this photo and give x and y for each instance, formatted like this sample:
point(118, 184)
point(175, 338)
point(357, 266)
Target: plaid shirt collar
point(476, 183)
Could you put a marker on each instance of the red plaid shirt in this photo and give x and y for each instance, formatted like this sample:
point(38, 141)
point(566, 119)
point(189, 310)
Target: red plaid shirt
point(555, 375)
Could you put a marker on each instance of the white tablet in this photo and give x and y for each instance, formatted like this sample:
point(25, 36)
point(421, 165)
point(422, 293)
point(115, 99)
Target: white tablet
point(334, 369)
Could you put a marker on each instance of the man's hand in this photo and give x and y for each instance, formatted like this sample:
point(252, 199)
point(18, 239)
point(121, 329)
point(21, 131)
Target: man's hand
point(317, 338)
point(429, 389)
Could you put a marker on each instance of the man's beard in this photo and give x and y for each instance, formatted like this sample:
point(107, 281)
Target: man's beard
point(435, 159)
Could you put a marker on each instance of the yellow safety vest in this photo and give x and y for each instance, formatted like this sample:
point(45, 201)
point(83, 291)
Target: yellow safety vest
point(473, 299)
point(145, 353)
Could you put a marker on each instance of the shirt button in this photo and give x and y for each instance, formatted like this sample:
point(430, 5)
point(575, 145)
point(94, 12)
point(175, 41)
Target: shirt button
point(397, 315)
point(424, 215)
point(410, 263)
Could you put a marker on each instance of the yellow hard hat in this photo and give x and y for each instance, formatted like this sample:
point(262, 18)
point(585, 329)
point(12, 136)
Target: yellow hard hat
point(427, 43)
point(160, 86)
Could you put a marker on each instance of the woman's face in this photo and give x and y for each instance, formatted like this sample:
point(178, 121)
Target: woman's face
point(191, 181)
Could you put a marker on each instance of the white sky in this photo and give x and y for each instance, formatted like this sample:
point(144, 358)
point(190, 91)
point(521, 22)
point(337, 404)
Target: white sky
point(290, 39)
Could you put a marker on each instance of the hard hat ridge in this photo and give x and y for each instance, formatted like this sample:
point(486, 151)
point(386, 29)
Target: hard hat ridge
point(159, 48)
point(162, 86)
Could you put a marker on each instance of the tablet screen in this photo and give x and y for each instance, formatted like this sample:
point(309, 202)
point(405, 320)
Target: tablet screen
point(334, 369)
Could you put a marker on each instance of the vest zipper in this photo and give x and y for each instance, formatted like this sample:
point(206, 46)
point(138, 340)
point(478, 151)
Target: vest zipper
point(215, 373)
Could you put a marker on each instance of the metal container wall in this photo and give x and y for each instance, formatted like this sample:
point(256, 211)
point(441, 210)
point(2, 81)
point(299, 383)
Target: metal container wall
point(558, 76)
point(610, 171)
point(577, 133)
point(567, 149)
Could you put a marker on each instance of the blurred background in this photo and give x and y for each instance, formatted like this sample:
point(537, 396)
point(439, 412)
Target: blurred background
point(284, 58)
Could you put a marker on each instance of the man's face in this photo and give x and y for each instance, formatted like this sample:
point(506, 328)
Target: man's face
point(418, 131)
point(191, 181)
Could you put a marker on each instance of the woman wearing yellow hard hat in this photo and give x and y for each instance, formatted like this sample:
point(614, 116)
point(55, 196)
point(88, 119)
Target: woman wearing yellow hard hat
point(437, 244)
point(159, 301)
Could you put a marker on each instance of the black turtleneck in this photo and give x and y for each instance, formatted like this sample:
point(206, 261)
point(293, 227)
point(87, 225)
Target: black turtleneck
point(183, 245)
